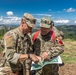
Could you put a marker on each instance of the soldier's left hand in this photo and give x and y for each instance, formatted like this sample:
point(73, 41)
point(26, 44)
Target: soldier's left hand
point(38, 57)
point(45, 56)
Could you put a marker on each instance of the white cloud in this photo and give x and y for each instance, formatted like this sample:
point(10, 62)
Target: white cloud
point(42, 15)
point(1, 18)
point(10, 20)
point(57, 21)
point(9, 13)
point(38, 19)
point(70, 10)
point(75, 21)
point(61, 21)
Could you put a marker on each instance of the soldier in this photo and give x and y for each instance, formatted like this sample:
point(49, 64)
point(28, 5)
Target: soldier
point(18, 48)
point(47, 46)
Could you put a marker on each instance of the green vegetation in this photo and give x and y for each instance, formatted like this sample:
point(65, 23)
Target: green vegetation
point(69, 31)
point(1, 37)
point(69, 55)
point(3, 30)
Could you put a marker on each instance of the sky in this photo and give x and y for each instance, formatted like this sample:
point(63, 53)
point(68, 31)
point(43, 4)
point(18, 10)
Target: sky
point(61, 11)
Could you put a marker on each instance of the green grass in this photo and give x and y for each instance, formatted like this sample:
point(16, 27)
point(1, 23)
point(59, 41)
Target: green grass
point(1, 49)
point(69, 55)
point(68, 58)
point(1, 37)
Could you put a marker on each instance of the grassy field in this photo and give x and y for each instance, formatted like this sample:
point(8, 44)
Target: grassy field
point(69, 55)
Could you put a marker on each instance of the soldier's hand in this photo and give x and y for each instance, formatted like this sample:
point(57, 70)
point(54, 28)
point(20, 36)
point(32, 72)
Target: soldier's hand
point(45, 56)
point(39, 57)
point(34, 58)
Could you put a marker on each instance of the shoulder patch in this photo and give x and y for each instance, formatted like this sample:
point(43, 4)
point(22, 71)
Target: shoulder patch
point(9, 40)
point(59, 41)
point(7, 36)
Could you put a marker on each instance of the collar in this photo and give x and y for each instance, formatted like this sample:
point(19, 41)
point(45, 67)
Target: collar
point(20, 33)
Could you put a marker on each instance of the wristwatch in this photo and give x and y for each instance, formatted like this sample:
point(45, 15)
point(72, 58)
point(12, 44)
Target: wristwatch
point(28, 56)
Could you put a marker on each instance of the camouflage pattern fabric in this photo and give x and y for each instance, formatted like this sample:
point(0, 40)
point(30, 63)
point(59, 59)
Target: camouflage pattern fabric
point(30, 20)
point(6, 71)
point(48, 70)
point(46, 44)
point(46, 22)
point(58, 33)
point(1, 45)
point(15, 44)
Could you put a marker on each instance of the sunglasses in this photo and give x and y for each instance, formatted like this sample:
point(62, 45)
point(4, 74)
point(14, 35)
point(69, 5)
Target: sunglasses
point(46, 22)
point(33, 21)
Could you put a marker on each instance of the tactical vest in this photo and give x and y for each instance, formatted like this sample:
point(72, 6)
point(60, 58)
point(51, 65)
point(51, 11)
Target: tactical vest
point(51, 33)
point(52, 36)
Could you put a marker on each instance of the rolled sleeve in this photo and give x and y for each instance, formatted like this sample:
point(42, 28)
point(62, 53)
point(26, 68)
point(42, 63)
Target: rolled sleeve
point(15, 58)
point(55, 51)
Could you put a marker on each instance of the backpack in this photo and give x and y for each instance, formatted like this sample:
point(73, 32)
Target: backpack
point(52, 36)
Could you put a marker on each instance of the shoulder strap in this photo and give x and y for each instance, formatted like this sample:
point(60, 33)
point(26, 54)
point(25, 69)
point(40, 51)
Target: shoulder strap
point(37, 33)
point(53, 35)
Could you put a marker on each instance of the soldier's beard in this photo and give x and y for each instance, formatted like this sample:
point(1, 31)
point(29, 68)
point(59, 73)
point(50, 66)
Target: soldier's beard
point(24, 31)
point(46, 37)
point(44, 32)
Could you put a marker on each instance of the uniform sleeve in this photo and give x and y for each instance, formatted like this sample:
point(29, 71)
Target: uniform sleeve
point(33, 38)
point(33, 42)
point(10, 50)
point(30, 42)
point(57, 49)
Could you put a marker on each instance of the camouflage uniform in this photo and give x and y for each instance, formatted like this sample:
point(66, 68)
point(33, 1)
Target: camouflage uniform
point(44, 43)
point(15, 44)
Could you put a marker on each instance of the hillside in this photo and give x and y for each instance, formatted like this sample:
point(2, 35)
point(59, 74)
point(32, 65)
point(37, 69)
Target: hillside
point(69, 31)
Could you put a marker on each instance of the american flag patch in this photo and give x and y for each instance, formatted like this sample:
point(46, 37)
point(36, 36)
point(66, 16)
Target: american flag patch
point(9, 35)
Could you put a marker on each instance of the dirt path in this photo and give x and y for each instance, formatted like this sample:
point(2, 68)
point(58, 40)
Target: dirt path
point(68, 69)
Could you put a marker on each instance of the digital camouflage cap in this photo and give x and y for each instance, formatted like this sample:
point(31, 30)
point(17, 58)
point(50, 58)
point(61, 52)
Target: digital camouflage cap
point(29, 19)
point(46, 22)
